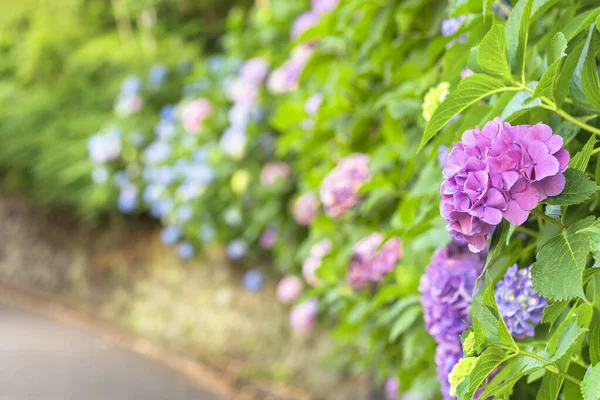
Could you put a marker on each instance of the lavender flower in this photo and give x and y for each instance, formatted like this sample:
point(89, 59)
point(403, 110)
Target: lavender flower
point(304, 22)
point(499, 171)
point(303, 315)
point(305, 208)
point(285, 78)
point(446, 288)
point(255, 70)
point(253, 280)
point(170, 234)
point(312, 105)
point(289, 289)
point(519, 304)
point(324, 6)
point(368, 264)
point(339, 190)
point(236, 249)
point(128, 198)
point(447, 355)
point(451, 25)
point(312, 263)
point(233, 142)
point(185, 250)
point(157, 152)
point(268, 238)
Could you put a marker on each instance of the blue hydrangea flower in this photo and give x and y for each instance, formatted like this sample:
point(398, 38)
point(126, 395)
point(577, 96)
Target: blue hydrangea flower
point(207, 233)
point(161, 207)
point(100, 174)
point(157, 152)
point(253, 280)
point(165, 129)
point(185, 250)
point(184, 214)
point(520, 305)
point(201, 155)
point(131, 85)
point(170, 234)
point(128, 198)
point(157, 74)
point(104, 147)
point(152, 193)
point(121, 179)
point(189, 190)
point(236, 249)
point(200, 173)
point(168, 112)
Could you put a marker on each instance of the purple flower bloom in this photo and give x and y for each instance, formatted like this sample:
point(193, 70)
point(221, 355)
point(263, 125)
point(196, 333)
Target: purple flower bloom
point(392, 388)
point(313, 261)
point(194, 114)
point(447, 355)
point(273, 172)
point(443, 152)
point(311, 106)
point(285, 78)
point(236, 249)
point(519, 304)
point(304, 22)
point(324, 6)
point(451, 25)
point(446, 288)
point(268, 238)
point(255, 70)
point(303, 315)
point(254, 280)
point(304, 208)
point(289, 289)
point(499, 171)
point(368, 264)
point(339, 190)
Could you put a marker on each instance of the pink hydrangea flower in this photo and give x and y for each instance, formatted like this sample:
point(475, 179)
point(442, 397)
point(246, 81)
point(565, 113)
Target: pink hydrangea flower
point(289, 289)
point(274, 171)
point(313, 261)
point(304, 208)
point(195, 113)
point(499, 171)
point(303, 316)
point(339, 190)
point(370, 263)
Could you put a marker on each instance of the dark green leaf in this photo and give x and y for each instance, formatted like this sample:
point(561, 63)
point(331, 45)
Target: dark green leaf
point(595, 344)
point(553, 311)
point(578, 189)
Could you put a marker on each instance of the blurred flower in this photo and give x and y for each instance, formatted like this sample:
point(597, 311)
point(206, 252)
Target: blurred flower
point(520, 305)
point(131, 85)
point(446, 288)
point(447, 355)
point(321, 248)
point(304, 22)
point(207, 233)
point(232, 217)
point(303, 316)
point(189, 190)
point(254, 280)
point(499, 171)
point(304, 208)
point(128, 104)
point(185, 250)
point(157, 152)
point(121, 179)
point(236, 249)
point(157, 74)
point(314, 260)
point(184, 214)
point(215, 63)
point(451, 25)
point(100, 174)
point(243, 92)
point(233, 142)
point(168, 112)
point(239, 115)
point(127, 198)
point(392, 388)
point(443, 152)
point(165, 129)
point(152, 193)
point(255, 70)
point(273, 172)
point(433, 98)
point(289, 289)
point(170, 234)
point(339, 190)
point(268, 238)
point(199, 173)
point(285, 78)
point(194, 114)
point(240, 181)
point(104, 147)
point(161, 207)
point(137, 139)
point(465, 72)
point(324, 6)
point(313, 103)
point(368, 264)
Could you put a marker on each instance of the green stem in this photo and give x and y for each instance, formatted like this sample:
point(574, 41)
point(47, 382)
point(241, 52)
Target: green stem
point(596, 151)
point(543, 216)
point(527, 231)
point(579, 361)
point(550, 367)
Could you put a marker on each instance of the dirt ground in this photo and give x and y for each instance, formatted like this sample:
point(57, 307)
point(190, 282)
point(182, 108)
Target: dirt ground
point(121, 274)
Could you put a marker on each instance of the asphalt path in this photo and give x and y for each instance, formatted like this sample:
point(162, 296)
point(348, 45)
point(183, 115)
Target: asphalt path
point(44, 359)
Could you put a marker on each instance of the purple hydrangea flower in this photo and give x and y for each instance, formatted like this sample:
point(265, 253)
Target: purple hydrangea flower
point(324, 6)
point(303, 316)
point(304, 22)
point(289, 289)
point(305, 208)
point(170, 234)
point(285, 78)
point(185, 250)
point(499, 171)
point(451, 25)
point(368, 264)
point(519, 304)
point(273, 172)
point(447, 355)
point(253, 280)
point(392, 388)
point(268, 238)
point(446, 288)
point(255, 70)
point(339, 190)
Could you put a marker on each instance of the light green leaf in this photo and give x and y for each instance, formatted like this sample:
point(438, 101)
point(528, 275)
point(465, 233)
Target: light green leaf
point(581, 159)
point(590, 386)
point(488, 361)
point(491, 56)
point(517, 31)
point(509, 233)
point(551, 383)
point(547, 83)
point(401, 305)
point(578, 189)
point(406, 319)
point(553, 311)
point(580, 23)
point(469, 91)
point(558, 271)
point(595, 344)
point(558, 46)
point(593, 233)
point(585, 84)
point(568, 339)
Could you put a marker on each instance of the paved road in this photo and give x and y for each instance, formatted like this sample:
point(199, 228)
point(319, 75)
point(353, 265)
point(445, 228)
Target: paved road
point(43, 359)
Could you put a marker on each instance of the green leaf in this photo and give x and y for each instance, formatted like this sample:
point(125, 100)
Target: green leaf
point(547, 83)
point(517, 30)
point(558, 46)
point(593, 233)
point(585, 84)
point(469, 91)
point(578, 189)
point(489, 360)
point(558, 271)
point(590, 386)
point(568, 339)
point(551, 383)
point(509, 233)
point(491, 56)
point(581, 159)
point(553, 311)
point(567, 130)
point(595, 344)
point(580, 23)
point(388, 315)
point(406, 319)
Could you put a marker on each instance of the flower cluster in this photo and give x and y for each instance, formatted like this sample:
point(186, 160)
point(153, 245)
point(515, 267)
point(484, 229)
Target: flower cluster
point(105, 147)
point(274, 171)
point(313, 261)
point(129, 100)
point(304, 208)
point(371, 261)
point(520, 305)
point(499, 171)
point(446, 287)
point(285, 78)
point(303, 316)
point(339, 190)
point(289, 289)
